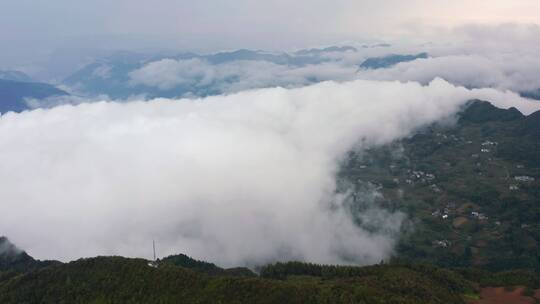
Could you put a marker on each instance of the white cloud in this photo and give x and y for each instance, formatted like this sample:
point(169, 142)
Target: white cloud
point(503, 57)
point(234, 76)
point(473, 71)
point(168, 73)
point(474, 58)
point(239, 179)
point(503, 72)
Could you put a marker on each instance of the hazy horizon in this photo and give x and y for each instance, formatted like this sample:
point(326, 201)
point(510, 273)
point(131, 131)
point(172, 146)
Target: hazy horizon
point(33, 32)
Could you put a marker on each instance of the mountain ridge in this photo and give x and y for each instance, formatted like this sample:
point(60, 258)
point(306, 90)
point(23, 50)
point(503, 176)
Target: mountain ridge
point(13, 94)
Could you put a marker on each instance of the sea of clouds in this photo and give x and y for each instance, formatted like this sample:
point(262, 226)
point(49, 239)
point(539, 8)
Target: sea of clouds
point(502, 57)
point(240, 168)
point(239, 179)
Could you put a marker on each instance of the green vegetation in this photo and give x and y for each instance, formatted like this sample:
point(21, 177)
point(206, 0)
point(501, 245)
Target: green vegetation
point(471, 190)
point(14, 261)
point(122, 280)
point(183, 260)
point(181, 279)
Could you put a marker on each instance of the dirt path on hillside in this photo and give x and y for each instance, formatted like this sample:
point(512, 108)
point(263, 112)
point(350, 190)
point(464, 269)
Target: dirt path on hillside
point(500, 295)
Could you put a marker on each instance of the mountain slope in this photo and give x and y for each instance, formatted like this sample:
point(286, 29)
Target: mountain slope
point(122, 280)
point(111, 75)
point(389, 60)
point(478, 111)
point(14, 93)
point(14, 261)
point(15, 76)
point(471, 190)
point(12, 258)
point(184, 261)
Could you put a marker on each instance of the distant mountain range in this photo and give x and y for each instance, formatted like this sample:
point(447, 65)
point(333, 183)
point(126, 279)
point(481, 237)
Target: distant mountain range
point(331, 49)
point(111, 75)
point(390, 60)
point(15, 76)
point(13, 94)
point(534, 94)
point(199, 75)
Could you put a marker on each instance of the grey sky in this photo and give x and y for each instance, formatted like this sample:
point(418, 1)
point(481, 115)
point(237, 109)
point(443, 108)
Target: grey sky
point(30, 29)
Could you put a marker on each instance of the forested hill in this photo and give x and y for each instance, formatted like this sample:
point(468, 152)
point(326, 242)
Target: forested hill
point(181, 279)
point(14, 261)
point(122, 280)
point(471, 190)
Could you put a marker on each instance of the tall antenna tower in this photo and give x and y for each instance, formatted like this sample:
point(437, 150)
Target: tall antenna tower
point(154, 246)
point(154, 262)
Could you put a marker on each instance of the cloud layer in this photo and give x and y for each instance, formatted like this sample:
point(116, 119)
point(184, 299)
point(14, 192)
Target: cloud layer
point(240, 179)
point(503, 57)
point(200, 75)
point(510, 72)
point(469, 58)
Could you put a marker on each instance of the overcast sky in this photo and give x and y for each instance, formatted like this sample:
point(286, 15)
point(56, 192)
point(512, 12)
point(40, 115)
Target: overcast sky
point(32, 28)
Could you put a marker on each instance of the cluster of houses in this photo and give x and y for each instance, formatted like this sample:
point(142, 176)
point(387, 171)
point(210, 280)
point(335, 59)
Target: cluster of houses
point(479, 216)
point(488, 143)
point(435, 188)
point(419, 176)
point(442, 243)
point(449, 209)
point(485, 146)
point(446, 137)
point(422, 177)
point(445, 213)
point(524, 178)
point(438, 213)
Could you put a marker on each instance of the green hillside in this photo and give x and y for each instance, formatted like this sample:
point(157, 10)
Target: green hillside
point(122, 280)
point(470, 190)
